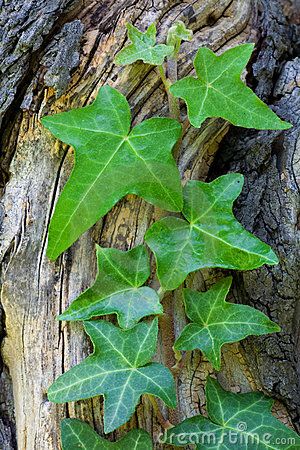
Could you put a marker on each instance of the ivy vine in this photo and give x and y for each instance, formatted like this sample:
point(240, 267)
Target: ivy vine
point(112, 161)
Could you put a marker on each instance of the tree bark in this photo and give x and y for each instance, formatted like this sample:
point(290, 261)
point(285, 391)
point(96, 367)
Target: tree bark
point(55, 56)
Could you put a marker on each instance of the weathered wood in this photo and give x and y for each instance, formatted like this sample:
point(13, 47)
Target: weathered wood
point(37, 348)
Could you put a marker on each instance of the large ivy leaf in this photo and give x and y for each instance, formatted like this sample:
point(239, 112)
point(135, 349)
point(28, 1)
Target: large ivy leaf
point(217, 322)
point(76, 434)
point(118, 369)
point(111, 161)
point(212, 238)
point(218, 91)
point(236, 421)
point(143, 47)
point(117, 289)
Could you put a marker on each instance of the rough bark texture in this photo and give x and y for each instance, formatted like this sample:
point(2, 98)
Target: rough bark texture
point(54, 56)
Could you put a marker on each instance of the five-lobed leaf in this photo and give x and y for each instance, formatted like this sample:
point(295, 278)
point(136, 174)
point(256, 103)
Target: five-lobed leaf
point(218, 91)
point(76, 434)
point(117, 289)
point(211, 236)
point(119, 369)
point(143, 47)
point(235, 421)
point(216, 322)
point(111, 161)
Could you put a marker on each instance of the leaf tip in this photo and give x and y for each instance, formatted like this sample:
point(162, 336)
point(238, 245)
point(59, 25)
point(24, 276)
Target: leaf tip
point(52, 256)
point(273, 259)
point(66, 316)
point(286, 125)
point(250, 45)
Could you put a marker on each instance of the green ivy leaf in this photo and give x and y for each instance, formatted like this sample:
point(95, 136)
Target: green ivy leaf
point(143, 47)
point(117, 289)
point(177, 33)
point(118, 369)
point(111, 161)
point(217, 322)
point(236, 421)
point(76, 434)
point(218, 91)
point(212, 238)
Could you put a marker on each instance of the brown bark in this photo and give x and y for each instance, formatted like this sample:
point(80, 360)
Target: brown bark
point(55, 56)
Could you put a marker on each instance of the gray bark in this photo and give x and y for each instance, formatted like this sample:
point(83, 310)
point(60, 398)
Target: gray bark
point(55, 55)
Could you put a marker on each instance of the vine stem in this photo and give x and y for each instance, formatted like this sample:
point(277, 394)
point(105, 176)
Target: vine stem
point(166, 424)
point(161, 293)
point(163, 77)
point(185, 125)
point(173, 101)
point(180, 362)
point(174, 105)
point(174, 109)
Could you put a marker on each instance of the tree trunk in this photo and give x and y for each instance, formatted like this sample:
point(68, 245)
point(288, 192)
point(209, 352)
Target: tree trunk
point(55, 55)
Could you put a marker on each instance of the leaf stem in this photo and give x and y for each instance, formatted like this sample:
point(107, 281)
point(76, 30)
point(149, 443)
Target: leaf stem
point(180, 362)
point(161, 293)
point(166, 424)
point(185, 125)
point(163, 77)
point(173, 101)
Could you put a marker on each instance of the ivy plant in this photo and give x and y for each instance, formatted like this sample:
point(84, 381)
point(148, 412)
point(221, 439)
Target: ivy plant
point(76, 434)
point(112, 161)
point(216, 322)
point(119, 369)
point(117, 289)
point(143, 47)
point(104, 145)
point(177, 33)
point(218, 91)
point(238, 421)
point(209, 237)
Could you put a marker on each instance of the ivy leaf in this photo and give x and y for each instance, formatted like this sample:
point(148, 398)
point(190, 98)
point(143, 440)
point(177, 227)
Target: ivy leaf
point(236, 421)
point(218, 91)
point(117, 289)
point(217, 322)
point(212, 238)
point(76, 434)
point(177, 33)
point(111, 161)
point(143, 47)
point(118, 369)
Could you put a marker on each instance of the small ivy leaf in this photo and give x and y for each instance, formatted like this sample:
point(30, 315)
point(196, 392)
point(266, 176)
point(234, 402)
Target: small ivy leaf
point(177, 33)
point(111, 161)
point(240, 421)
point(217, 322)
point(218, 91)
point(143, 47)
point(212, 238)
point(76, 434)
point(119, 369)
point(117, 289)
